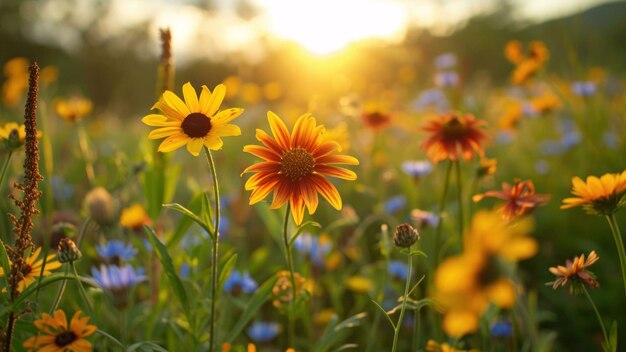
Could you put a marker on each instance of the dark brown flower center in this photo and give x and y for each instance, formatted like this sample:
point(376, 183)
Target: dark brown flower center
point(297, 163)
point(65, 338)
point(26, 270)
point(196, 125)
point(454, 129)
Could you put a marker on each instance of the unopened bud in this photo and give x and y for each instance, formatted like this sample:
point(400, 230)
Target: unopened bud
point(68, 252)
point(100, 206)
point(405, 236)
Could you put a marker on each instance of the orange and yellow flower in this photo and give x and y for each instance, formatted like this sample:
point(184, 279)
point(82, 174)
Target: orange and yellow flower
point(73, 109)
point(59, 336)
point(195, 122)
point(134, 217)
point(295, 164)
point(453, 136)
point(598, 195)
point(576, 270)
point(526, 63)
point(13, 135)
point(32, 269)
point(466, 284)
point(520, 198)
point(434, 346)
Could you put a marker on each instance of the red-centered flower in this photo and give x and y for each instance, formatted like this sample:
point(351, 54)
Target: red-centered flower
point(520, 198)
point(576, 269)
point(453, 136)
point(295, 164)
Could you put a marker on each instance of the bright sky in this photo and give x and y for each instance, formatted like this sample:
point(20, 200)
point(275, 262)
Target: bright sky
point(320, 26)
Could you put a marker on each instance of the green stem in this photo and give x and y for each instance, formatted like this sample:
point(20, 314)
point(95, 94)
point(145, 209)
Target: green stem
point(459, 189)
point(291, 327)
point(442, 205)
point(5, 167)
point(402, 309)
point(215, 252)
point(84, 148)
point(117, 342)
point(60, 292)
point(83, 293)
point(595, 309)
point(416, 329)
point(619, 243)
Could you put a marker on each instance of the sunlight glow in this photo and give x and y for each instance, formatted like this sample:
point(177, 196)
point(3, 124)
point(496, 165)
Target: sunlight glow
point(327, 26)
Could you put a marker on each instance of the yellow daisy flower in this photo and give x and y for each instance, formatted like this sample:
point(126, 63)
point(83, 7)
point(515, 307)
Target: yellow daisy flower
point(73, 109)
point(134, 217)
point(195, 122)
point(57, 336)
point(13, 135)
point(33, 269)
point(600, 196)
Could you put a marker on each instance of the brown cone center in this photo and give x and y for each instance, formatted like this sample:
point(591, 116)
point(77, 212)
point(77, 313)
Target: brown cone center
point(196, 125)
point(454, 129)
point(65, 338)
point(297, 163)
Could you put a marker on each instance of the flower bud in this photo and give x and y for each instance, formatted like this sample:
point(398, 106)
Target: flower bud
point(405, 236)
point(68, 252)
point(100, 206)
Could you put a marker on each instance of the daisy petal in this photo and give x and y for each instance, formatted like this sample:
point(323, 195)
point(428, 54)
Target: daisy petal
point(194, 146)
point(191, 98)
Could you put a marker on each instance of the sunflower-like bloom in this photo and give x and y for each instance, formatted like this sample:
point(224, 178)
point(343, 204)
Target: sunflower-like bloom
point(520, 198)
point(56, 335)
point(73, 109)
point(466, 284)
point(526, 63)
point(575, 272)
point(13, 136)
point(545, 103)
point(295, 164)
point(32, 269)
point(434, 346)
point(195, 122)
point(452, 136)
point(599, 196)
point(134, 217)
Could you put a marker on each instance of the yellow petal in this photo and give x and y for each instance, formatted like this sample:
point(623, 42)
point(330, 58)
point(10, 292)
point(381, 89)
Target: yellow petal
point(226, 130)
point(213, 142)
point(173, 142)
point(226, 116)
point(173, 101)
point(191, 98)
point(194, 146)
point(215, 100)
point(164, 132)
point(159, 121)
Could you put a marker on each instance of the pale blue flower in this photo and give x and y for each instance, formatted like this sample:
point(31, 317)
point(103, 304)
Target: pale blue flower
point(238, 282)
point(417, 168)
point(114, 278)
point(115, 250)
point(263, 331)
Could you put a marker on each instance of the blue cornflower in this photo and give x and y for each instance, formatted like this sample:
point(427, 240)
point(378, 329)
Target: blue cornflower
point(501, 329)
point(398, 270)
point(417, 168)
point(117, 278)
point(312, 247)
point(584, 88)
point(446, 79)
point(424, 218)
point(394, 204)
point(431, 98)
point(184, 271)
point(116, 251)
point(263, 331)
point(570, 139)
point(445, 61)
point(238, 282)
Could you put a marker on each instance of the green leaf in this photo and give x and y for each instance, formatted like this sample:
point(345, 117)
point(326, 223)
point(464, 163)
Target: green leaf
point(172, 172)
point(186, 212)
point(206, 212)
point(226, 270)
point(385, 313)
point(256, 301)
point(153, 187)
point(301, 229)
point(40, 284)
point(273, 221)
point(166, 262)
point(420, 253)
point(338, 332)
point(415, 305)
point(185, 222)
point(145, 346)
point(613, 337)
point(4, 261)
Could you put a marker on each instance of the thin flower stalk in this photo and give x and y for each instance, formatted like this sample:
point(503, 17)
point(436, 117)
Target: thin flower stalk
point(607, 342)
point(619, 243)
point(459, 189)
point(291, 324)
point(215, 248)
point(405, 297)
point(7, 161)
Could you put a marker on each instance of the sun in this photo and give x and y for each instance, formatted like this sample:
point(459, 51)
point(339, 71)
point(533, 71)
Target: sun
point(327, 26)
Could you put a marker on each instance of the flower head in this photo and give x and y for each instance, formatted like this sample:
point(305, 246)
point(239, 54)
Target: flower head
point(575, 272)
point(73, 109)
point(68, 252)
point(405, 236)
point(467, 283)
point(599, 196)
point(398, 269)
point(294, 166)
point(114, 278)
point(434, 346)
point(195, 122)
point(453, 136)
point(375, 116)
point(240, 282)
point(13, 136)
point(57, 335)
point(520, 198)
point(315, 247)
point(115, 251)
point(526, 63)
point(417, 168)
point(263, 331)
point(32, 269)
point(584, 88)
point(282, 292)
point(424, 218)
point(134, 217)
